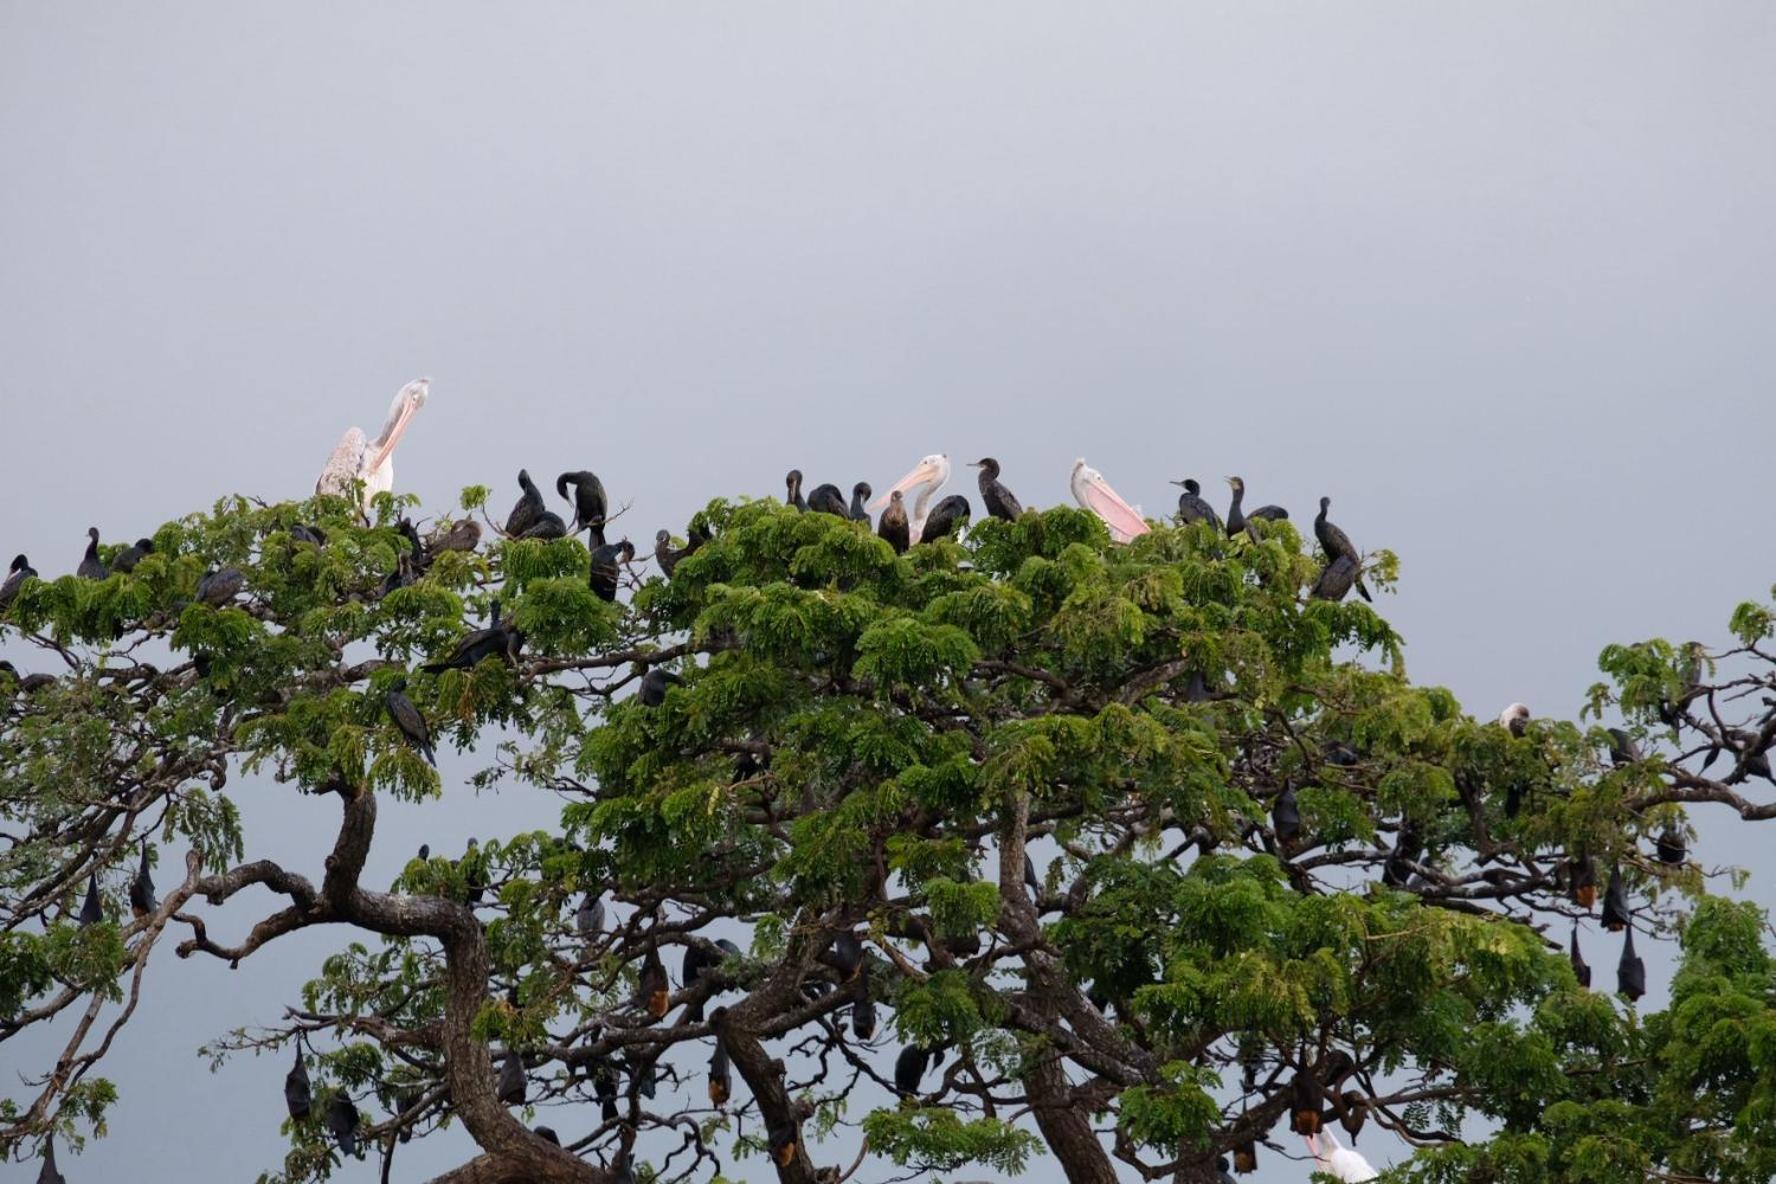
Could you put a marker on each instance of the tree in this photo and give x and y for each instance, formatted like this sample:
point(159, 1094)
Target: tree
point(1142, 855)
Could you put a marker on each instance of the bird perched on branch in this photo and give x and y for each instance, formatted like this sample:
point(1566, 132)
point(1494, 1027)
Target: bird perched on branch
point(373, 462)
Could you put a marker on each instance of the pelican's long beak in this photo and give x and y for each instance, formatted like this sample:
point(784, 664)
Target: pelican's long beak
point(925, 471)
point(410, 400)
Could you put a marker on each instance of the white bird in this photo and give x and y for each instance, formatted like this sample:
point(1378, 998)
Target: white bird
point(930, 473)
point(1514, 719)
point(373, 463)
point(1343, 1162)
point(1094, 493)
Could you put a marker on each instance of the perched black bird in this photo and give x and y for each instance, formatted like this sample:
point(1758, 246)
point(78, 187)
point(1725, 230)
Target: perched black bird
point(462, 536)
point(1581, 970)
point(668, 556)
point(909, 1069)
point(220, 586)
point(20, 571)
point(141, 893)
point(1285, 816)
point(721, 1085)
point(91, 566)
point(547, 525)
point(1193, 507)
point(792, 482)
point(946, 518)
point(131, 555)
point(826, 499)
point(408, 719)
point(860, 494)
point(590, 506)
point(298, 1096)
point(607, 569)
point(1335, 580)
point(1630, 971)
point(1000, 501)
point(1238, 519)
point(93, 910)
point(529, 508)
point(656, 988)
point(1335, 543)
point(784, 1140)
point(1670, 846)
point(493, 641)
point(342, 1123)
point(654, 684)
point(474, 873)
point(48, 1174)
point(893, 525)
point(1623, 749)
point(312, 535)
point(589, 917)
point(511, 1079)
point(425, 852)
point(546, 1134)
point(1615, 902)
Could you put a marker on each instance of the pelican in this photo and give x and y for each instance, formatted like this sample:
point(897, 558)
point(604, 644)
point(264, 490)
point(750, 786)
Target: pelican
point(1094, 493)
point(372, 463)
point(929, 475)
point(1514, 719)
point(1338, 1160)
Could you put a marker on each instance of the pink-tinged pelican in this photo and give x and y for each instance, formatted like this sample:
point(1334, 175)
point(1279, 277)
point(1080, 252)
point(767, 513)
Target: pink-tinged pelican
point(929, 474)
point(373, 463)
point(1094, 493)
point(1337, 1160)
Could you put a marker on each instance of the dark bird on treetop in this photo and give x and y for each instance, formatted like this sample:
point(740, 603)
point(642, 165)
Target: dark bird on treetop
point(826, 499)
point(529, 507)
point(928, 476)
point(297, 1094)
point(314, 536)
point(20, 571)
point(860, 493)
point(1335, 543)
point(474, 872)
point(893, 526)
point(546, 525)
point(1630, 971)
point(1193, 507)
point(590, 506)
point(1581, 971)
point(409, 720)
point(654, 684)
point(1623, 749)
point(947, 517)
point(1238, 519)
point(493, 641)
point(131, 555)
point(607, 569)
point(93, 910)
point(91, 567)
point(667, 556)
point(1335, 581)
point(220, 585)
point(1000, 501)
point(792, 482)
point(141, 893)
point(342, 1123)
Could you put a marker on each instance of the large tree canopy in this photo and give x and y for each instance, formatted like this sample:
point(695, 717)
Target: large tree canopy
point(1031, 845)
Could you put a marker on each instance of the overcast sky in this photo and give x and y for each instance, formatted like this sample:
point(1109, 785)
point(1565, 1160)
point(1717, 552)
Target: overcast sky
point(1497, 277)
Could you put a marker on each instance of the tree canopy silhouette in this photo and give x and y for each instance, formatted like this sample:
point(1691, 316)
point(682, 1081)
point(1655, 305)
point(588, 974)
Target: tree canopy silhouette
point(1018, 847)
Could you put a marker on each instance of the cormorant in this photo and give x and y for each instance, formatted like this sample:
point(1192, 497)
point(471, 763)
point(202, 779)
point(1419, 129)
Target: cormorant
point(220, 586)
point(947, 517)
point(1000, 501)
point(131, 555)
point(1238, 519)
point(606, 568)
point(91, 567)
point(409, 720)
point(482, 643)
point(893, 526)
point(826, 499)
point(860, 494)
point(529, 507)
point(1193, 507)
point(1336, 580)
point(792, 482)
point(546, 525)
point(653, 686)
point(590, 505)
point(20, 571)
point(667, 556)
point(1335, 543)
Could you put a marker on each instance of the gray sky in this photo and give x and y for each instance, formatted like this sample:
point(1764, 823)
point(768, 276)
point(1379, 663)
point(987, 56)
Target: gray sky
point(1497, 277)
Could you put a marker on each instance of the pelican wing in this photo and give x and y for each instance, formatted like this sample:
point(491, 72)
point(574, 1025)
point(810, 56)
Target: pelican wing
point(1095, 494)
point(341, 469)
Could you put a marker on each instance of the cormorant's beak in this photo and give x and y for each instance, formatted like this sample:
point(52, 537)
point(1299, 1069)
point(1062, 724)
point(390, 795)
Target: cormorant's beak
point(923, 472)
point(1179, 483)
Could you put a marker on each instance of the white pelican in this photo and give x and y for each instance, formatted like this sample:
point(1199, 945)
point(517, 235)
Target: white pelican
point(1340, 1161)
point(930, 473)
point(1094, 493)
point(372, 463)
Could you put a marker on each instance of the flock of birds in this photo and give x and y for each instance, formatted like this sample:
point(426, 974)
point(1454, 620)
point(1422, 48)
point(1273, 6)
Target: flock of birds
point(910, 511)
